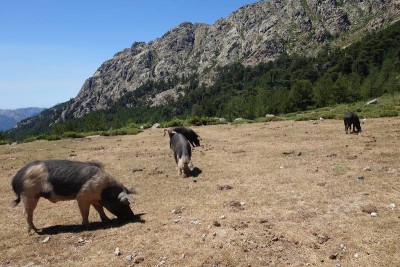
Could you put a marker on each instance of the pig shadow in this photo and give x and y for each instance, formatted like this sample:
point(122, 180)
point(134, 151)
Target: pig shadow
point(195, 172)
point(93, 226)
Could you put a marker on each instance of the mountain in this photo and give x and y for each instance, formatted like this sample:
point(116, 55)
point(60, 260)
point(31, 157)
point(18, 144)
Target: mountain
point(9, 118)
point(254, 34)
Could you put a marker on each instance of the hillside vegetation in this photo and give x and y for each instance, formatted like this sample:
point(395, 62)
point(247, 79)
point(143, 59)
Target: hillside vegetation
point(292, 83)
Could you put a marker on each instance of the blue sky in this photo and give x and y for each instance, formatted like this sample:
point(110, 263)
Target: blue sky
point(48, 48)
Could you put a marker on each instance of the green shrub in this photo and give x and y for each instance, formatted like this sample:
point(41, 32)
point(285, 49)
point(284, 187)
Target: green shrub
point(30, 139)
point(122, 131)
point(242, 121)
point(173, 123)
point(198, 121)
point(53, 137)
point(73, 135)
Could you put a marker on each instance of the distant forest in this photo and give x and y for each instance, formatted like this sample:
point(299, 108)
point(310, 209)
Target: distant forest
point(369, 68)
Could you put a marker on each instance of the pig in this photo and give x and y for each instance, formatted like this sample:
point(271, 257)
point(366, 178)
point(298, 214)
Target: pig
point(351, 118)
point(58, 180)
point(193, 138)
point(182, 152)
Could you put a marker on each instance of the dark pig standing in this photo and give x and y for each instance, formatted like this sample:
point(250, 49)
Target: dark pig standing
point(182, 152)
point(59, 180)
point(193, 138)
point(351, 118)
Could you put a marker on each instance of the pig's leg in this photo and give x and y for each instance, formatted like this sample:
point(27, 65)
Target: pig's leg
point(176, 162)
point(30, 203)
point(84, 207)
point(100, 210)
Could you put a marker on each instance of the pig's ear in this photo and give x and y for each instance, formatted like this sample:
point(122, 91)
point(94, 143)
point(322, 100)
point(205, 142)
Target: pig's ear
point(125, 198)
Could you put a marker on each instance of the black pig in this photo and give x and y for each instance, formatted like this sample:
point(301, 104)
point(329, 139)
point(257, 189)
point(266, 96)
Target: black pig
point(351, 118)
point(193, 138)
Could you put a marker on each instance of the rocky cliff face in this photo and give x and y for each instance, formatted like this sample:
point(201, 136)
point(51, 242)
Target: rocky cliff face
point(255, 33)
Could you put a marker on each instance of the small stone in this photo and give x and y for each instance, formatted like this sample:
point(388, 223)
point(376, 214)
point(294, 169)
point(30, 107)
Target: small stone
point(177, 220)
point(392, 206)
point(360, 178)
point(82, 241)
point(225, 187)
point(369, 209)
point(356, 255)
point(242, 203)
point(176, 211)
point(333, 256)
point(138, 260)
point(323, 239)
point(222, 217)
point(117, 252)
point(129, 258)
point(217, 223)
point(46, 239)
point(374, 214)
point(162, 261)
point(373, 102)
point(289, 152)
point(195, 222)
point(367, 169)
point(235, 203)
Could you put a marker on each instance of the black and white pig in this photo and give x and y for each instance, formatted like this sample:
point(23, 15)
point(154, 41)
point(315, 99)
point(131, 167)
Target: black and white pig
point(351, 118)
point(182, 152)
point(58, 180)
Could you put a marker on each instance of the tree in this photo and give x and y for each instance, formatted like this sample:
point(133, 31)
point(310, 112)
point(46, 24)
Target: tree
point(301, 94)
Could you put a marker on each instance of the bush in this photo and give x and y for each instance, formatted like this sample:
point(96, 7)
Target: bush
point(52, 137)
point(173, 123)
point(72, 135)
point(30, 139)
point(242, 121)
point(198, 121)
point(122, 131)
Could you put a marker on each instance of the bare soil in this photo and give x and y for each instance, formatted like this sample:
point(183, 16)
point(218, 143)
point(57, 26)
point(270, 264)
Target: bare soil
point(265, 194)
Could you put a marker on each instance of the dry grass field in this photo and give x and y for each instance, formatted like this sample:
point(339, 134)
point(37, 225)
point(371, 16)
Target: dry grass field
point(298, 190)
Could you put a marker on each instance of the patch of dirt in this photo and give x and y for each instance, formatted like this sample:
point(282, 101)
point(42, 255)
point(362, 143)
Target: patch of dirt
point(263, 194)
